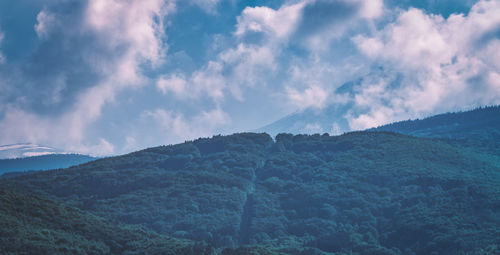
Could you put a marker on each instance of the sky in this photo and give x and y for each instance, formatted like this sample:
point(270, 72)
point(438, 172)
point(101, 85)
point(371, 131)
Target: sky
point(105, 77)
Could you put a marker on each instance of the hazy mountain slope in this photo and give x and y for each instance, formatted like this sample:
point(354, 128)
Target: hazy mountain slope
point(475, 123)
point(361, 193)
point(310, 121)
point(44, 162)
point(477, 129)
point(36, 225)
point(316, 121)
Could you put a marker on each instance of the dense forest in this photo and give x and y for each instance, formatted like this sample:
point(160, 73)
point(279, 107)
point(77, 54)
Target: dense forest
point(359, 193)
point(36, 225)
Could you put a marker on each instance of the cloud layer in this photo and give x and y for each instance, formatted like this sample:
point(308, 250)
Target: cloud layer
point(87, 53)
point(445, 64)
point(105, 76)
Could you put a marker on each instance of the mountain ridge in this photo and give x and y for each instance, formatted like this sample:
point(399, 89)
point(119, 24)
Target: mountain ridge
point(18, 166)
point(331, 120)
point(183, 190)
point(364, 192)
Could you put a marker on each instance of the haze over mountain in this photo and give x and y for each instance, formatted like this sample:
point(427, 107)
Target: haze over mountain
point(478, 124)
point(446, 125)
point(27, 157)
point(368, 192)
point(44, 162)
point(310, 121)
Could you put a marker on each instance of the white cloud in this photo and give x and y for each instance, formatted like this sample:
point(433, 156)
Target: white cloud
point(443, 64)
point(131, 33)
point(428, 64)
point(63, 132)
point(262, 35)
point(102, 148)
point(37, 153)
point(136, 29)
point(369, 46)
point(371, 9)
point(246, 64)
point(178, 128)
point(174, 83)
point(312, 97)
point(249, 66)
point(232, 70)
point(136, 25)
point(275, 24)
point(207, 82)
point(414, 40)
point(45, 22)
point(380, 116)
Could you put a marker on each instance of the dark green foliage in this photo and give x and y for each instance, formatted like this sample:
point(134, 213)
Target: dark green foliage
point(36, 225)
point(248, 251)
point(382, 194)
point(359, 193)
point(44, 162)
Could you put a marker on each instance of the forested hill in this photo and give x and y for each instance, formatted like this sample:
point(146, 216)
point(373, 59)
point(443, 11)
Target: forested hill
point(481, 123)
point(36, 225)
point(359, 193)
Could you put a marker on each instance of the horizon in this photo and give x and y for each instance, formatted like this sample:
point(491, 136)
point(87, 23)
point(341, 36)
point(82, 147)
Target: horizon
point(110, 77)
point(57, 152)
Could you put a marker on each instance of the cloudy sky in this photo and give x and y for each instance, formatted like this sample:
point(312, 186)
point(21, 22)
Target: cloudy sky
point(110, 76)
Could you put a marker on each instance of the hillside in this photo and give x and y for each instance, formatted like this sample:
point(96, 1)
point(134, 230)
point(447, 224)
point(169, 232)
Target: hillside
point(455, 125)
point(359, 193)
point(477, 129)
point(35, 225)
point(44, 162)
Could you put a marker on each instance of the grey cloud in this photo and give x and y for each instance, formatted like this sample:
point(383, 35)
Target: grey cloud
point(492, 34)
point(441, 7)
point(87, 52)
point(60, 64)
point(321, 14)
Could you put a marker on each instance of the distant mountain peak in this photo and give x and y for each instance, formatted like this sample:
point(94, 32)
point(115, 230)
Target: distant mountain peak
point(333, 120)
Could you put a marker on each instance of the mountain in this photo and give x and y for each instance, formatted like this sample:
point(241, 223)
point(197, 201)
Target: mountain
point(478, 129)
point(22, 158)
point(484, 121)
point(358, 193)
point(332, 119)
point(315, 121)
point(16, 166)
point(310, 121)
